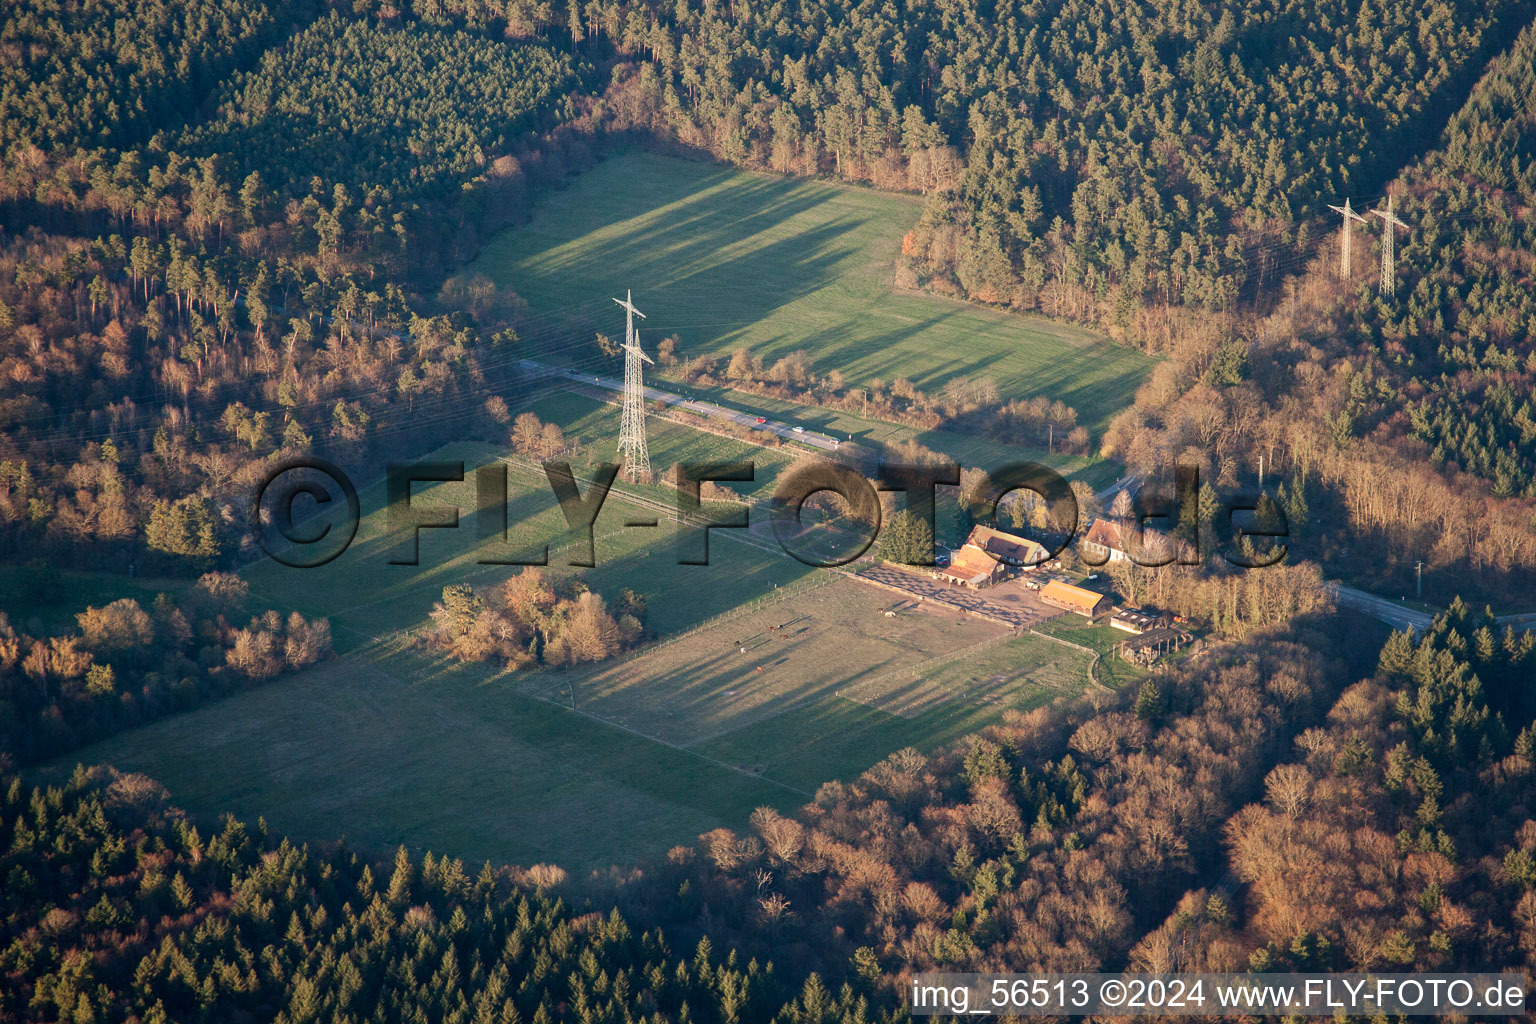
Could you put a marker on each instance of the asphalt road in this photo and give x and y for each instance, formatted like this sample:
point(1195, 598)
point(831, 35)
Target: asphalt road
point(1393, 613)
point(1107, 495)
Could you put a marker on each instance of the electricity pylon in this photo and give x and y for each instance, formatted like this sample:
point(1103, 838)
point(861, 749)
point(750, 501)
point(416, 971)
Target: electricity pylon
point(1344, 237)
point(633, 449)
point(1388, 255)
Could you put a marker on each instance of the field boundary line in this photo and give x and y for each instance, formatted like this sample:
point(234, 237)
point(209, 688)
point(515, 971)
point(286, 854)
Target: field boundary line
point(609, 397)
point(745, 398)
point(931, 599)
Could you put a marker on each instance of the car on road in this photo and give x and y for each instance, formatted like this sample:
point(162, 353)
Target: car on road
point(799, 430)
point(762, 419)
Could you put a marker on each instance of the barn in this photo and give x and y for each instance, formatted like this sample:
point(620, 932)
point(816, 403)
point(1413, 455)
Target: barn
point(987, 555)
point(1081, 600)
point(1015, 552)
point(970, 566)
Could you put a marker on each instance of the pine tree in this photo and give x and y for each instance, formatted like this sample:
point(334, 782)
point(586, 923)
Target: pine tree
point(399, 892)
point(1217, 910)
point(1149, 702)
point(181, 892)
point(1296, 508)
point(1397, 655)
point(1525, 746)
point(866, 964)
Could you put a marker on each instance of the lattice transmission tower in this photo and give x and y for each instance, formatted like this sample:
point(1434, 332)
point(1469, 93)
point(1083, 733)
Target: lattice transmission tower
point(1344, 237)
point(633, 449)
point(1388, 247)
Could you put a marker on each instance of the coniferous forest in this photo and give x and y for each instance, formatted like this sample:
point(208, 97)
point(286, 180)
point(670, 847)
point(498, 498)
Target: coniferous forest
point(232, 231)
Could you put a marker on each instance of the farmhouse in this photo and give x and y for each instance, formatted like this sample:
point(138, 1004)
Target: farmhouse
point(987, 555)
point(1115, 540)
point(1015, 552)
point(1076, 599)
point(1106, 538)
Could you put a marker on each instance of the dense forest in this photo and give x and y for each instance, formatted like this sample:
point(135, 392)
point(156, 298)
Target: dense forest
point(411, 112)
point(117, 908)
point(1460, 347)
point(1403, 424)
point(113, 72)
point(174, 317)
point(1405, 823)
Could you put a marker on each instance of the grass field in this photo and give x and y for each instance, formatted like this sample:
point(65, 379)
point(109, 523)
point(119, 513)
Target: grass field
point(1101, 638)
point(806, 735)
point(386, 746)
point(366, 597)
point(827, 637)
point(728, 258)
point(391, 744)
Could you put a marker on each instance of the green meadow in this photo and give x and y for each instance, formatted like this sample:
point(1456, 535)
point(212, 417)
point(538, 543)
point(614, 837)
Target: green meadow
point(727, 259)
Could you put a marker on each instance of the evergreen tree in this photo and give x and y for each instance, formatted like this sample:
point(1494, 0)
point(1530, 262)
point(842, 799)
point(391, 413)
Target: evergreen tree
point(906, 538)
point(1149, 702)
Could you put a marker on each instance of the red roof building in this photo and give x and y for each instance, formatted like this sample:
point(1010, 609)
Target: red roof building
point(987, 555)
